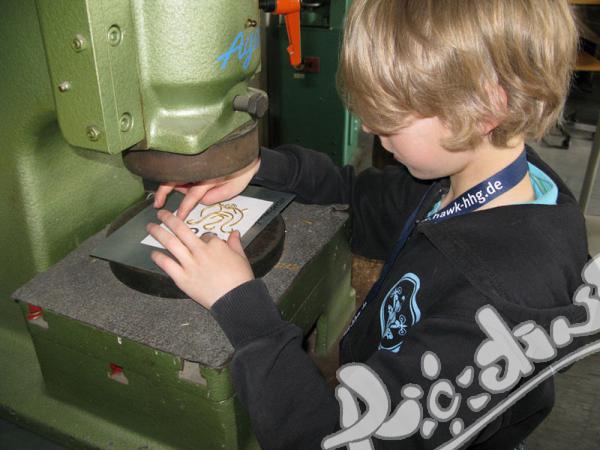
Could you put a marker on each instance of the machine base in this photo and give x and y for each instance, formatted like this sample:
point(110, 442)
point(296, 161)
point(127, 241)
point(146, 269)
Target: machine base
point(175, 388)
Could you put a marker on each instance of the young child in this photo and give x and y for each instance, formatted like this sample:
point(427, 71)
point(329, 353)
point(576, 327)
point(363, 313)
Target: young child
point(472, 218)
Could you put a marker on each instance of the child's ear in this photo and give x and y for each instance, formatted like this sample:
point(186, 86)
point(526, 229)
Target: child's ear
point(498, 104)
point(490, 125)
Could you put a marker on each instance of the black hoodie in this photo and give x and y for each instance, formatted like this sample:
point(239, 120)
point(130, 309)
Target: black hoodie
point(524, 261)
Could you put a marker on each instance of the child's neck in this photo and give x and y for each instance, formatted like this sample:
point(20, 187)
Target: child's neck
point(488, 160)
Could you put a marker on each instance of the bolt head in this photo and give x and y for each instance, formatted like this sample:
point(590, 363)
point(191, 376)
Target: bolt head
point(64, 86)
point(115, 36)
point(93, 133)
point(258, 105)
point(126, 122)
point(78, 43)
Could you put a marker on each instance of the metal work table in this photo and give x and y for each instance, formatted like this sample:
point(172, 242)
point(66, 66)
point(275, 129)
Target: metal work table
point(158, 367)
point(84, 289)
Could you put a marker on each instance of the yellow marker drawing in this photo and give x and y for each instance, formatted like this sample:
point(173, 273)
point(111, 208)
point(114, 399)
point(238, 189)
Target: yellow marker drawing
point(222, 215)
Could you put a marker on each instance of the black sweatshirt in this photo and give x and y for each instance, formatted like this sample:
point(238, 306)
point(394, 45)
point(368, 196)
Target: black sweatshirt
point(523, 260)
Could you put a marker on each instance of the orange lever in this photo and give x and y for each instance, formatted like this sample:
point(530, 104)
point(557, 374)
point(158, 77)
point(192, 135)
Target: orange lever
point(290, 9)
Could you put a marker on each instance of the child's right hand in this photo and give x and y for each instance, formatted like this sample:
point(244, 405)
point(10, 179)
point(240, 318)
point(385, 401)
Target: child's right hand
point(208, 192)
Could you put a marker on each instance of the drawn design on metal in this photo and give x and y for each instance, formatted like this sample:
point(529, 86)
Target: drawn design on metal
point(222, 215)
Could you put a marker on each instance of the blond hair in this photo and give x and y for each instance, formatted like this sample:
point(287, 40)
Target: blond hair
point(446, 58)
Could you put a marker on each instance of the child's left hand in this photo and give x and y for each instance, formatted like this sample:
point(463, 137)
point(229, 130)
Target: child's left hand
point(204, 270)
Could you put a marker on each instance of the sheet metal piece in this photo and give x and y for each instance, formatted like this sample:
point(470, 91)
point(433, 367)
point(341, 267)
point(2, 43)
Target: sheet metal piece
point(262, 253)
point(131, 262)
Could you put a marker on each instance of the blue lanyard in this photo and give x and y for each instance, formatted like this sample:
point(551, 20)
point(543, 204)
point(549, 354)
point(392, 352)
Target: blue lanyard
point(409, 226)
point(485, 192)
point(471, 200)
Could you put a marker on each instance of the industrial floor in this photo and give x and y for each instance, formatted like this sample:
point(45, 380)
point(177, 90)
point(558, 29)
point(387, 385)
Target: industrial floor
point(575, 420)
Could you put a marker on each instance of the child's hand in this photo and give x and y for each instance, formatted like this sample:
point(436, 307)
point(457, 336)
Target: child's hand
point(208, 191)
point(204, 270)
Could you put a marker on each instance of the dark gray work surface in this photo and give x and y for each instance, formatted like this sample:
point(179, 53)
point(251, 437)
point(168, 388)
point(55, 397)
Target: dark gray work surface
point(83, 288)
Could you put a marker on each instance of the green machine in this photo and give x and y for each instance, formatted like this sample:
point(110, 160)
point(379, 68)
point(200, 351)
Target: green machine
point(305, 106)
point(94, 96)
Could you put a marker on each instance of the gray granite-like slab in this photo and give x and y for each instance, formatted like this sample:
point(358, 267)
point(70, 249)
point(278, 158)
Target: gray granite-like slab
point(83, 288)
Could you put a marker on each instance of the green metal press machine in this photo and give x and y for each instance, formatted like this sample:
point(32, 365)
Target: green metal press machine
point(96, 95)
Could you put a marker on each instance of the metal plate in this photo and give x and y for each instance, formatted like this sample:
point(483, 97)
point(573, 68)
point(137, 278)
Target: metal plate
point(262, 253)
point(130, 260)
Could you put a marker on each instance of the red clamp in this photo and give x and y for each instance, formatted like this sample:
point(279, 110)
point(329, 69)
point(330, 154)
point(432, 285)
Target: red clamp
point(290, 9)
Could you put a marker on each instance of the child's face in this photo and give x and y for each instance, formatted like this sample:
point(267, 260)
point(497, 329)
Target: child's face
point(418, 147)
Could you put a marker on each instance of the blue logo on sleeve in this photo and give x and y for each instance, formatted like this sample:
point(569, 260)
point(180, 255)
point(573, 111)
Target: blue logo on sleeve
point(399, 311)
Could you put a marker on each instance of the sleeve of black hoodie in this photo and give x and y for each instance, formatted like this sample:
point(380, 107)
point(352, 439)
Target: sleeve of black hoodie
point(379, 200)
point(291, 406)
point(289, 402)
